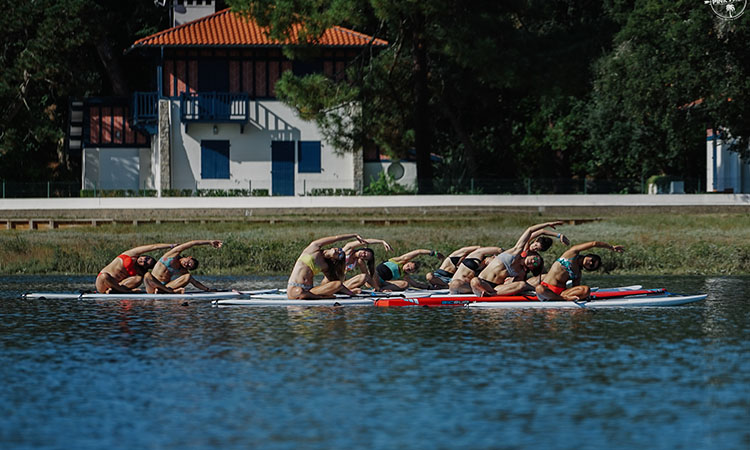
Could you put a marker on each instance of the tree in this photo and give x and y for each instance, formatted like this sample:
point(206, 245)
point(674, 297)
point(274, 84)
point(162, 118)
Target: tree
point(675, 69)
point(54, 50)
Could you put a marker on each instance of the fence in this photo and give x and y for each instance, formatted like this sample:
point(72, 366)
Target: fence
point(525, 186)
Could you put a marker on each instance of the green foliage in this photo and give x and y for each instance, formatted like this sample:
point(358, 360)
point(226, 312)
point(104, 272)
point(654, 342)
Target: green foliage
point(386, 185)
point(50, 52)
point(522, 89)
point(331, 192)
point(655, 243)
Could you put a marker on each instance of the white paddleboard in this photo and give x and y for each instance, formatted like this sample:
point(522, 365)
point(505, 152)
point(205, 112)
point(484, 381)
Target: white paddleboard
point(196, 295)
point(624, 302)
point(264, 301)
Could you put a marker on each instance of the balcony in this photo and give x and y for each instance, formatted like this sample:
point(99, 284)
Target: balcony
point(146, 111)
point(214, 107)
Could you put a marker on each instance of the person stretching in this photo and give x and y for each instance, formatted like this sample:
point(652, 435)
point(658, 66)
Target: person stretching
point(315, 260)
point(395, 274)
point(172, 272)
point(568, 267)
point(125, 273)
point(506, 274)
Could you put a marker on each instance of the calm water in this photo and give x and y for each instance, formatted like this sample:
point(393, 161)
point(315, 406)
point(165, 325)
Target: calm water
point(88, 374)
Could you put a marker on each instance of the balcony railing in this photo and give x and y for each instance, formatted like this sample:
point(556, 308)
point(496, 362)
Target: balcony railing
point(214, 107)
point(145, 108)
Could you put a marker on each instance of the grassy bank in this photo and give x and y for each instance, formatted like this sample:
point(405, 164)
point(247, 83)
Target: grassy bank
point(708, 244)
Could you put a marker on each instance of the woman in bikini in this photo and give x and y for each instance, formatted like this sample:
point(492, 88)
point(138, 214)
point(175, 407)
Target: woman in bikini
point(506, 274)
point(470, 267)
point(440, 278)
point(315, 260)
point(172, 272)
point(125, 273)
point(395, 274)
point(568, 267)
point(364, 260)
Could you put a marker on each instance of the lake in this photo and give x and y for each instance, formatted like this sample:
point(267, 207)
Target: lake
point(168, 375)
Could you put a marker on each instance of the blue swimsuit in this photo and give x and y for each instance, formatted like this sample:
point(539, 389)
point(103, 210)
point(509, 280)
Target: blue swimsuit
point(168, 264)
point(566, 263)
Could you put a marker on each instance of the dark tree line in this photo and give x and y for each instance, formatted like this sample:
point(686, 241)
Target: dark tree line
point(511, 89)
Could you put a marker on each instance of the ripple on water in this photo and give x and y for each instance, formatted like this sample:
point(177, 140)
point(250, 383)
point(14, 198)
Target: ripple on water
point(160, 374)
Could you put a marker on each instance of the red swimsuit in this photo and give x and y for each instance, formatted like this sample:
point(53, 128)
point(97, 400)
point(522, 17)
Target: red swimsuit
point(128, 264)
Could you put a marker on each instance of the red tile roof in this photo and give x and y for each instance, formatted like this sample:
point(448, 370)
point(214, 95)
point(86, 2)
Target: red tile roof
point(227, 28)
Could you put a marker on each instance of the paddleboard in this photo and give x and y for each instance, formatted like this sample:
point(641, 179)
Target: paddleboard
point(623, 302)
point(462, 299)
point(196, 295)
point(266, 301)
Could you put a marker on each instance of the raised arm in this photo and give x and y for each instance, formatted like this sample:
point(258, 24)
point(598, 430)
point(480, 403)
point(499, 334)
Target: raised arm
point(577, 249)
point(182, 247)
point(464, 251)
point(350, 246)
point(137, 251)
point(317, 244)
point(543, 232)
point(483, 252)
point(405, 258)
point(526, 236)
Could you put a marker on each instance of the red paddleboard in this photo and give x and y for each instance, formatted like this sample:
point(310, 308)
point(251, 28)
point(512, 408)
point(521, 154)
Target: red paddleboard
point(461, 300)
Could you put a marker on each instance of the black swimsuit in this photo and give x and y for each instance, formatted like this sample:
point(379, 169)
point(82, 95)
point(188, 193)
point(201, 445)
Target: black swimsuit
point(473, 264)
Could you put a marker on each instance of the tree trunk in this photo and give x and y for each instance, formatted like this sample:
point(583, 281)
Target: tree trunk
point(422, 135)
point(112, 65)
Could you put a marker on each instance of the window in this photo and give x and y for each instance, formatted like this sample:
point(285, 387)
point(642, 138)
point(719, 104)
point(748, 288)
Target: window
point(215, 159)
point(308, 157)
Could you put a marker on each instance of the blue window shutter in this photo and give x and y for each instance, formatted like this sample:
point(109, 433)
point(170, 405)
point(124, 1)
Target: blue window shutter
point(309, 157)
point(215, 159)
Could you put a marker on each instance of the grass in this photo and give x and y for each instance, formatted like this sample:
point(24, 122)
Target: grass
point(662, 244)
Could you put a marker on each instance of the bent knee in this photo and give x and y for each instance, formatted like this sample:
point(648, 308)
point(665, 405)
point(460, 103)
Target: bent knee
point(294, 293)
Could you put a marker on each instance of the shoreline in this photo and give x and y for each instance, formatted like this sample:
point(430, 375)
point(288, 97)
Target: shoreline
point(660, 243)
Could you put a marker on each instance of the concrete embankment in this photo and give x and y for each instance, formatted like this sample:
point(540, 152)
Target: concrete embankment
point(53, 213)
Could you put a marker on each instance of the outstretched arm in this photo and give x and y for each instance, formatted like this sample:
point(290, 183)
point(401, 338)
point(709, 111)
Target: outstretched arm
point(552, 234)
point(405, 258)
point(462, 252)
point(526, 236)
point(350, 246)
point(482, 252)
point(576, 249)
point(137, 251)
point(317, 244)
point(182, 247)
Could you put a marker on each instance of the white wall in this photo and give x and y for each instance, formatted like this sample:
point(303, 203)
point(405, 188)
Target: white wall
point(250, 151)
point(408, 179)
point(117, 168)
point(725, 170)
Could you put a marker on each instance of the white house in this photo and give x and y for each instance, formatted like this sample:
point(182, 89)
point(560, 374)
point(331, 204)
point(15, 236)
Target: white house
point(725, 170)
point(214, 121)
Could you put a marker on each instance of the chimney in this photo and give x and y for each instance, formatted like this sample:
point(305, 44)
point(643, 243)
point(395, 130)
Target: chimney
point(184, 11)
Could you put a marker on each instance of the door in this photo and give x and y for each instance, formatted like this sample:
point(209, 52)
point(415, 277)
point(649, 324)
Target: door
point(282, 168)
point(215, 159)
point(213, 88)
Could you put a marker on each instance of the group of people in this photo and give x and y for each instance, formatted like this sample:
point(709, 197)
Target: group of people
point(169, 274)
point(483, 271)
